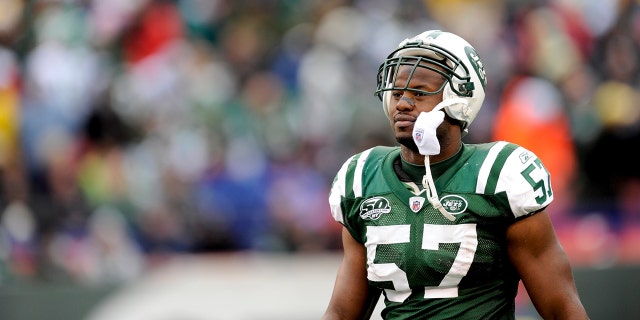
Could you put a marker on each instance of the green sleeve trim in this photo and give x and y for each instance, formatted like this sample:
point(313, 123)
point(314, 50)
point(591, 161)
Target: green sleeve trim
point(498, 164)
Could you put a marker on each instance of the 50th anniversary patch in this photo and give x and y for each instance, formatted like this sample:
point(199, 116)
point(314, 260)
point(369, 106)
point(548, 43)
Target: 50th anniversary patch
point(373, 208)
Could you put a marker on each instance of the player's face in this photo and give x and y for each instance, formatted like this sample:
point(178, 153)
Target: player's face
point(406, 105)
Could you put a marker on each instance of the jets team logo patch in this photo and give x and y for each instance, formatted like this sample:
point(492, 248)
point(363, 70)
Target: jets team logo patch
point(374, 208)
point(454, 204)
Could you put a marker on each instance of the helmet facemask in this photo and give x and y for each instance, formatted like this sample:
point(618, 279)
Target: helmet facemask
point(430, 57)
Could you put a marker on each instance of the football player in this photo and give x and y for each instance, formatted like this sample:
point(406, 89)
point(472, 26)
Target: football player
point(444, 229)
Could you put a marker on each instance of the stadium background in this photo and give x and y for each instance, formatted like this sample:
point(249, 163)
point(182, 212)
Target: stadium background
point(171, 159)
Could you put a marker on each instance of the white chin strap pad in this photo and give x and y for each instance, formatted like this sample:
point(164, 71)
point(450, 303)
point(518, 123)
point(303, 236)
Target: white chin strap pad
point(424, 129)
point(424, 132)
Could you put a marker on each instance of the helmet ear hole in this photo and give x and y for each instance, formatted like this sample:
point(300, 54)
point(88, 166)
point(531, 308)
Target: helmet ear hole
point(466, 89)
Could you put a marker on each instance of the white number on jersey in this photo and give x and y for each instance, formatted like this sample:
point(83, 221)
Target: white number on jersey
point(433, 236)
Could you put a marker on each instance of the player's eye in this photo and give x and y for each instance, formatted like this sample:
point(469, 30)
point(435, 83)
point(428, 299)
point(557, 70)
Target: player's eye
point(420, 94)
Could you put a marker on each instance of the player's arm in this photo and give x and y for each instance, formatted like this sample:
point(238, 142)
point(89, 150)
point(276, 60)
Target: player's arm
point(544, 268)
point(352, 296)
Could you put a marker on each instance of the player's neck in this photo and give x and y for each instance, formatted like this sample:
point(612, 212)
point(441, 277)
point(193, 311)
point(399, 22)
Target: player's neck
point(447, 150)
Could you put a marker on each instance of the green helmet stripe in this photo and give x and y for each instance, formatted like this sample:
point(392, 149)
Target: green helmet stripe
point(474, 58)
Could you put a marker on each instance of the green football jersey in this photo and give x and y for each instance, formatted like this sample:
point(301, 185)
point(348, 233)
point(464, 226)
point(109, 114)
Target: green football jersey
point(428, 266)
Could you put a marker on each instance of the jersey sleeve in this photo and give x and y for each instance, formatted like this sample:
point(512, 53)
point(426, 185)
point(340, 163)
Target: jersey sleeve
point(347, 184)
point(338, 192)
point(521, 175)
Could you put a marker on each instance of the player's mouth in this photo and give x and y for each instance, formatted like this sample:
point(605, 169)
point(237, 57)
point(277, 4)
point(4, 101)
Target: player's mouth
point(403, 120)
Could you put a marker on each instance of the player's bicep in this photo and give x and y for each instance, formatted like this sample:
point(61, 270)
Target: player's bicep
point(352, 296)
point(542, 263)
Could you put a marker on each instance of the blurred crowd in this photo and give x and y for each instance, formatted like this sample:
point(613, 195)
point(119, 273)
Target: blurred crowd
point(133, 130)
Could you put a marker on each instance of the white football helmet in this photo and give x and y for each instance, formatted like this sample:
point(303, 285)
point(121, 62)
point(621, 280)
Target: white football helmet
point(459, 63)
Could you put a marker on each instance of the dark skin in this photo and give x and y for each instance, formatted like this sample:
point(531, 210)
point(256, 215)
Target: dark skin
point(533, 247)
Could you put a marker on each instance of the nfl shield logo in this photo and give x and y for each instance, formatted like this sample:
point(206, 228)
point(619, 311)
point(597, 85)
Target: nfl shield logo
point(415, 203)
point(417, 135)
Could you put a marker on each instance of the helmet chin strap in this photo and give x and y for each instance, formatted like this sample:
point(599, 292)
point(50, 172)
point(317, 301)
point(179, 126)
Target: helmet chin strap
point(432, 194)
point(427, 179)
